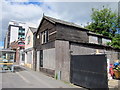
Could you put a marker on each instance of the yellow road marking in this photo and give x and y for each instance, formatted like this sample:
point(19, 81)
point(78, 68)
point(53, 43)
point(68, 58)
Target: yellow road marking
point(6, 63)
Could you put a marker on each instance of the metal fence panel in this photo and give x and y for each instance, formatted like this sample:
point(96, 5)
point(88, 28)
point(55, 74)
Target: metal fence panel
point(89, 71)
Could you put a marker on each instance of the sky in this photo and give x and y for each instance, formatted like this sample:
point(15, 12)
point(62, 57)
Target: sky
point(31, 11)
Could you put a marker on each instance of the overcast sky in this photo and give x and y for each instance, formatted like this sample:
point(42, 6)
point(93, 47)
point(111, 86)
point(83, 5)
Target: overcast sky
point(31, 11)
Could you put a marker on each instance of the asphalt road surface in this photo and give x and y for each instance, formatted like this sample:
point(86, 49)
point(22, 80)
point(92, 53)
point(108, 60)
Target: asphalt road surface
point(26, 78)
point(23, 78)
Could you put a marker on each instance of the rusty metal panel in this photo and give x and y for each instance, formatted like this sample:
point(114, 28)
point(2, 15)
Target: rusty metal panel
point(89, 71)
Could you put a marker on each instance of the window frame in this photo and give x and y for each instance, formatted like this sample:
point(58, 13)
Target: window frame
point(100, 40)
point(44, 36)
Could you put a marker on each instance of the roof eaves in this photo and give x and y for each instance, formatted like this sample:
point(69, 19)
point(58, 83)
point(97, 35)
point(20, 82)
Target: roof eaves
point(33, 31)
point(99, 45)
point(92, 33)
point(49, 19)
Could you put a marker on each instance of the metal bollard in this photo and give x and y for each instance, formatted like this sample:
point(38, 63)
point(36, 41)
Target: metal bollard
point(12, 68)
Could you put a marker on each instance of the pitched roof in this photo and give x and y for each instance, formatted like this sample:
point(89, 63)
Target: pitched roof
point(54, 20)
point(33, 29)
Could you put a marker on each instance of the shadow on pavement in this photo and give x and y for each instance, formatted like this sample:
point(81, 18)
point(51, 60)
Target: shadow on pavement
point(18, 69)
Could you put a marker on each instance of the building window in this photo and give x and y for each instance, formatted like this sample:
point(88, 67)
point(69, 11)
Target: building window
point(28, 40)
point(44, 37)
point(23, 57)
point(21, 33)
point(99, 40)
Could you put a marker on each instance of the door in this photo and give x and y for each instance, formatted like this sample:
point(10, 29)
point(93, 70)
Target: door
point(41, 58)
point(38, 60)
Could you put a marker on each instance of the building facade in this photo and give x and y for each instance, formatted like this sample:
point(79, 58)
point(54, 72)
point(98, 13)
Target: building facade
point(57, 40)
point(16, 31)
point(29, 50)
point(18, 46)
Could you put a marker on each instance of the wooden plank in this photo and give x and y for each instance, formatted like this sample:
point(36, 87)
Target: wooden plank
point(71, 34)
point(46, 25)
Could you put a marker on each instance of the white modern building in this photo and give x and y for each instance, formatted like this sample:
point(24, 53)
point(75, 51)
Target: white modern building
point(16, 30)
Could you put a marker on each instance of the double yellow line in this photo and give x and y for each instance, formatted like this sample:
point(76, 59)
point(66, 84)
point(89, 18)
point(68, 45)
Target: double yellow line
point(6, 63)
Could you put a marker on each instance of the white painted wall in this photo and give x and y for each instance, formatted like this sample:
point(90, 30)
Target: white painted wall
point(17, 23)
point(29, 57)
point(14, 33)
point(21, 62)
point(30, 45)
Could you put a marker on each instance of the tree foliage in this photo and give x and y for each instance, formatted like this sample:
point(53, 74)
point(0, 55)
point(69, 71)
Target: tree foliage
point(106, 22)
point(115, 41)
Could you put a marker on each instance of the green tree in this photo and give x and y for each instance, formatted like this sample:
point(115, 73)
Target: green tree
point(115, 41)
point(104, 22)
point(107, 23)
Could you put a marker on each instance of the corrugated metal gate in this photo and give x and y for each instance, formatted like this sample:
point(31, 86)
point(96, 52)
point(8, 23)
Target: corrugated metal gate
point(89, 71)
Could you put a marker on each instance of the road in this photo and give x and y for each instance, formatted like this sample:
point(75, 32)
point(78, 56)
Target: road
point(25, 78)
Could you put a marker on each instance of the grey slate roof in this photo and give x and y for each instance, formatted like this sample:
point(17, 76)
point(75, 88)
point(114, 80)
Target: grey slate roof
point(54, 20)
point(33, 29)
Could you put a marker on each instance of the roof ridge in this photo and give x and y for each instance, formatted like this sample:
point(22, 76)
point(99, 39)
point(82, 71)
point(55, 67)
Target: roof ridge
point(63, 22)
point(33, 29)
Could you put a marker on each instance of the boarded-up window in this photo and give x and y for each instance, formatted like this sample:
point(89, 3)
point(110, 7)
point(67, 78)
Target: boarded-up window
point(29, 57)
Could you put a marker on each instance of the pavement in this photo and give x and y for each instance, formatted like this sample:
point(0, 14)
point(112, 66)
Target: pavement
point(26, 78)
point(114, 84)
